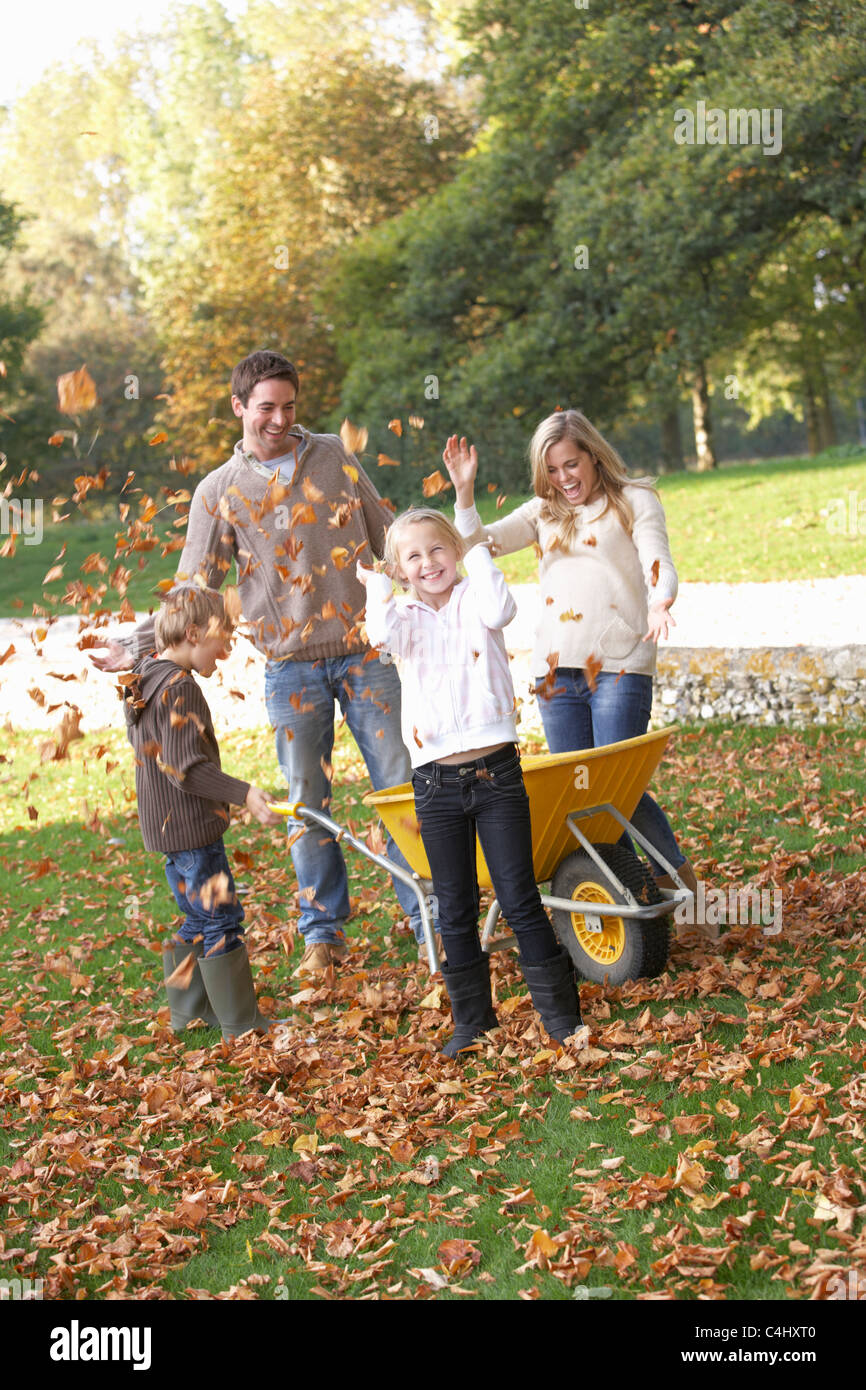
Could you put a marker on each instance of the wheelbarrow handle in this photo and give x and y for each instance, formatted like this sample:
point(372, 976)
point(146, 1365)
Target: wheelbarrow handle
point(290, 809)
point(298, 811)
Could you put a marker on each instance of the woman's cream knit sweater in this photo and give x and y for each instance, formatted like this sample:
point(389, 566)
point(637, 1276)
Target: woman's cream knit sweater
point(595, 593)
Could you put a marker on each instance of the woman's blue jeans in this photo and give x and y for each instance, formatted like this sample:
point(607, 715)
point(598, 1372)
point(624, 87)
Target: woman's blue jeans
point(576, 717)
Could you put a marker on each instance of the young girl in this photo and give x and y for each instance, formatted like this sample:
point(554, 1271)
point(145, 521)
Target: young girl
point(458, 724)
point(607, 583)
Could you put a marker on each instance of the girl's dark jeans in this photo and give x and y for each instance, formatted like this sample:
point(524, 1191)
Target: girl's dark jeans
point(486, 795)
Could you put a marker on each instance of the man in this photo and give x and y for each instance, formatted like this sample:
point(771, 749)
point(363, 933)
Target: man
point(296, 511)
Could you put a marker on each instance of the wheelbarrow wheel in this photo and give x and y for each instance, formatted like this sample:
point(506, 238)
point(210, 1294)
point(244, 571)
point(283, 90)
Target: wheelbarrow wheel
point(623, 949)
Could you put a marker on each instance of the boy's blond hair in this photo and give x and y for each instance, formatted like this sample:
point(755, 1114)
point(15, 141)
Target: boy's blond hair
point(401, 523)
point(190, 605)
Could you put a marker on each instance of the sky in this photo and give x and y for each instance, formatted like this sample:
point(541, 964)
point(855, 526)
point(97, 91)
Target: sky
point(36, 35)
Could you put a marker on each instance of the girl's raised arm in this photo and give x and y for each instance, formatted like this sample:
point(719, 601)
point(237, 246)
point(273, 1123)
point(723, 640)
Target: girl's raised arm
point(514, 532)
point(461, 461)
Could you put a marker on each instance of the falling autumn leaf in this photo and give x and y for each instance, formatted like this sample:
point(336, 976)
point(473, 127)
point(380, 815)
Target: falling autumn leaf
point(592, 668)
point(384, 461)
point(354, 437)
point(434, 483)
point(181, 976)
point(396, 427)
point(76, 392)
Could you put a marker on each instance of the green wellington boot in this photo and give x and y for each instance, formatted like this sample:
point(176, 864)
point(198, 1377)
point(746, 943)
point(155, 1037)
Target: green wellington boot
point(191, 1003)
point(229, 984)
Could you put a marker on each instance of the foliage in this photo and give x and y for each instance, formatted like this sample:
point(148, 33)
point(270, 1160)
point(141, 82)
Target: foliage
point(20, 319)
point(582, 255)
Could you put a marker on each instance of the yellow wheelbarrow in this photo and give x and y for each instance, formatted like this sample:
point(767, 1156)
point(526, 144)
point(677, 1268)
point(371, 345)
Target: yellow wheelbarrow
point(606, 907)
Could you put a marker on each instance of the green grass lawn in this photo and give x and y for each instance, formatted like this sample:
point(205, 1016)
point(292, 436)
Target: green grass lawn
point(747, 521)
point(710, 1144)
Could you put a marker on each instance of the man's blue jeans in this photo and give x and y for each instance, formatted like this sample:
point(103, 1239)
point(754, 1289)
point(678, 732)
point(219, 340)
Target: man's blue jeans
point(576, 717)
point(300, 699)
point(206, 898)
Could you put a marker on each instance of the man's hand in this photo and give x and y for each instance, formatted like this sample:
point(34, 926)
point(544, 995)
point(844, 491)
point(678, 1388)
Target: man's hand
point(116, 658)
point(462, 464)
point(659, 621)
point(257, 802)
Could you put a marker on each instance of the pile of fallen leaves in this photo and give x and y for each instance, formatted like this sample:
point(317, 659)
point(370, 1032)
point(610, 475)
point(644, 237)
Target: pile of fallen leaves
point(709, 1142)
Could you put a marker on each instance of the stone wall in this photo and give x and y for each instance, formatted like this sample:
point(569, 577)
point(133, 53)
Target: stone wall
point(761, 685)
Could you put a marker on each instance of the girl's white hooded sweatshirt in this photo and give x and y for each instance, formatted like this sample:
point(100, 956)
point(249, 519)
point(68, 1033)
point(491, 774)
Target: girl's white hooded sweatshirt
point(457, 691)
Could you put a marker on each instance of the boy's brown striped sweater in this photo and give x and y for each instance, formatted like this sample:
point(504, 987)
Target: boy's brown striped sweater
point(183, 795)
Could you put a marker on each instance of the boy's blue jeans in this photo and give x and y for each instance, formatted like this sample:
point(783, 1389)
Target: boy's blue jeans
point(300, 698)
point(207, 900)
point(576, 717)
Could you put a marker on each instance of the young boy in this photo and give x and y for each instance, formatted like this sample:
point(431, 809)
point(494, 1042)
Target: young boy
point(183, 811)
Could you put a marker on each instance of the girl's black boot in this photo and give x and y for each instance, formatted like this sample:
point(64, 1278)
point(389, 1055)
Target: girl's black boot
point(468, 989)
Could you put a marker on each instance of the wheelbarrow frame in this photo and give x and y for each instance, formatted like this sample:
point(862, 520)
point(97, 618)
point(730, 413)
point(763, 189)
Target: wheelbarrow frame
point(632, 910)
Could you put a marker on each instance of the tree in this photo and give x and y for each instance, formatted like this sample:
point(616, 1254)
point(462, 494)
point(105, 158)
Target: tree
point(583, 254)
point(20, 320)
point(306, 165)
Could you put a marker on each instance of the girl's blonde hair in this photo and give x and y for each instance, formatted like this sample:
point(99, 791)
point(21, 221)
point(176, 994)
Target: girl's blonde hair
point(401, 524)
point(190, 605)
point(611, 471)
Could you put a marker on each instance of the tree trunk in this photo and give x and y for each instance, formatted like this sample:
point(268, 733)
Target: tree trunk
point(703, 427)
point(810, 411)
point(826, 423)
point(671, 460)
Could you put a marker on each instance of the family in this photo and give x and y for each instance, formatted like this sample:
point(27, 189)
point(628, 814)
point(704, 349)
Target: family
point(307, 590)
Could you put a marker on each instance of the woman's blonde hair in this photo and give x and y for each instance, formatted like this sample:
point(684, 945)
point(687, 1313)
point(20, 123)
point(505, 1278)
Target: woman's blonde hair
point(401, 524)
point(190, 605)
point(610, 469)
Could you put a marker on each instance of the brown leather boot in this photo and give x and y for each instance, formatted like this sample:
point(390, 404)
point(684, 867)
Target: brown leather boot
point(698, 930)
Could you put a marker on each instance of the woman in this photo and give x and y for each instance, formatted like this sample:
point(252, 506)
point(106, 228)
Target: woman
point(607, 584)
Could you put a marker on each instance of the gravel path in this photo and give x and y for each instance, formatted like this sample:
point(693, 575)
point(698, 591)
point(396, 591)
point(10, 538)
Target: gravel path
point(819, 612)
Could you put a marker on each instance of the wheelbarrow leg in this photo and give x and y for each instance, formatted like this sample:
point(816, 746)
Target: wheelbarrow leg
point(494, 912)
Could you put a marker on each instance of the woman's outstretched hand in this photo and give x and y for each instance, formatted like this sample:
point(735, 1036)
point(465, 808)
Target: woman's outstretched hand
point(659, 621)
point(462, 464)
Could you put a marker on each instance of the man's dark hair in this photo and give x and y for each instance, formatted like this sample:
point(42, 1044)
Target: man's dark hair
point(261, 366)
